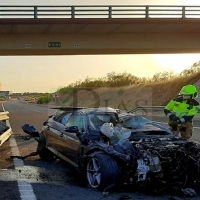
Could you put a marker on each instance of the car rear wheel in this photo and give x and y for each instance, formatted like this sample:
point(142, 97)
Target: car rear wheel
point(102, 171)
point(43, 152)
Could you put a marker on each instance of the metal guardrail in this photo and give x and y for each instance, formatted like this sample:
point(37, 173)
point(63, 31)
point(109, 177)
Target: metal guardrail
point(155, 108)
point(4, 136)
point(100, 11)
point(158, 108)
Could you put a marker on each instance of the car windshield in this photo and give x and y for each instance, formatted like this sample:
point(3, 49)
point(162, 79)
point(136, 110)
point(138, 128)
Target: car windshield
point(97, 120)
point(134, 121)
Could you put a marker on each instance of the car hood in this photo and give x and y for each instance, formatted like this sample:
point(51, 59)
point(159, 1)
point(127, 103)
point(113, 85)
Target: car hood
point(149, 126)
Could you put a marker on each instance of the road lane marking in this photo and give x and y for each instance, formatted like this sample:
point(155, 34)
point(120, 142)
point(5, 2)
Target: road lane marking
point(25, 188)
point(28, 108)
point(36, 110)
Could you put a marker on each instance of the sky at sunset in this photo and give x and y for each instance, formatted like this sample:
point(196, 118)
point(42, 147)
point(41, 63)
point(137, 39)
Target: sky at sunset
point(47, 73)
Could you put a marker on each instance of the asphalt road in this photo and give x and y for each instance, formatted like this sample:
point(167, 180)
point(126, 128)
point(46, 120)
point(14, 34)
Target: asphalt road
point(48, 179)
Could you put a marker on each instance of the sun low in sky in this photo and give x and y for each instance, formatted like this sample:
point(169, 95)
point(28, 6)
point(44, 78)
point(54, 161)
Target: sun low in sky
point(47, 73)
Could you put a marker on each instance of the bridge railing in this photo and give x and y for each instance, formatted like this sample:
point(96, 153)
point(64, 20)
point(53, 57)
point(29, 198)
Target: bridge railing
point(100, 11)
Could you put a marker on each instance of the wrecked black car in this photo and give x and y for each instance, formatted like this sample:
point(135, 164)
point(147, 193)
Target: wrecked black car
point(111, 148)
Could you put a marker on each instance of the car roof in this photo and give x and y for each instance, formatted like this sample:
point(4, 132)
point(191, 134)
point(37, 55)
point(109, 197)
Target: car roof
point(68, 108)
point(100, 110)
point(125, 114)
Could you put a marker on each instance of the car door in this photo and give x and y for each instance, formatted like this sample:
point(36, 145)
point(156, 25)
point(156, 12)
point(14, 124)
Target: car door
point(70, 140)
point(54, 132)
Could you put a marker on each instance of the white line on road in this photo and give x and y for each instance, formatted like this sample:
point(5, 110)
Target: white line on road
point(25, 188)
point(28, 108)
point(36, 110)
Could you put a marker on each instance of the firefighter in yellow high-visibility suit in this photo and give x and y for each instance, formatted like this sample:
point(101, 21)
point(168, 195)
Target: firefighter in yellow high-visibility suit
point(181, 111)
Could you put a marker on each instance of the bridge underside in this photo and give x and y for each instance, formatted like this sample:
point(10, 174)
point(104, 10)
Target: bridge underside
point(98, 36)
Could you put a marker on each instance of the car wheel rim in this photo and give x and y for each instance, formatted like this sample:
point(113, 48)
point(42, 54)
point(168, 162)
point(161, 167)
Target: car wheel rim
point(93, 174)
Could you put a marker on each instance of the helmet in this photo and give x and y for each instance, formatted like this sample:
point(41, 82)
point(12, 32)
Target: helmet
point(188, 91)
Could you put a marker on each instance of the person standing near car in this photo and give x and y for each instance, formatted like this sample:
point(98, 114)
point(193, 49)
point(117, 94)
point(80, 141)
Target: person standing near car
point(181, 111)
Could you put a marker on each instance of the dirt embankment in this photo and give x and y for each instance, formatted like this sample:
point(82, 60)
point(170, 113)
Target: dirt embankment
point(128, 97)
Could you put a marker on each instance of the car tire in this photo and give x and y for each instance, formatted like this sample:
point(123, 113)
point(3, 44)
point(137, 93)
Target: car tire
point(102, 172)
point(43, 152)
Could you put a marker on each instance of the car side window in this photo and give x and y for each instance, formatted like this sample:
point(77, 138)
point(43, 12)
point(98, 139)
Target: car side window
point(66, 118)
point(75, 120)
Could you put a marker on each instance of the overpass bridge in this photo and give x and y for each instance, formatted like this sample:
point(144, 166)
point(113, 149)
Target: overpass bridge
point(81, 30)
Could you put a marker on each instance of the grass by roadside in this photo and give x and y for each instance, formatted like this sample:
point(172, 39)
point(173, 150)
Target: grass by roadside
point(124, 91)
point(126, 97)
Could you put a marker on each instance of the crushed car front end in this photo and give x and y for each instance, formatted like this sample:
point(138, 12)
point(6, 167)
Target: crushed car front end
point(163, 158)
point(149, 155)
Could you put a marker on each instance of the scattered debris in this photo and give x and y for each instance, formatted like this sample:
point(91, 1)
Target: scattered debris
point(30, 130)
